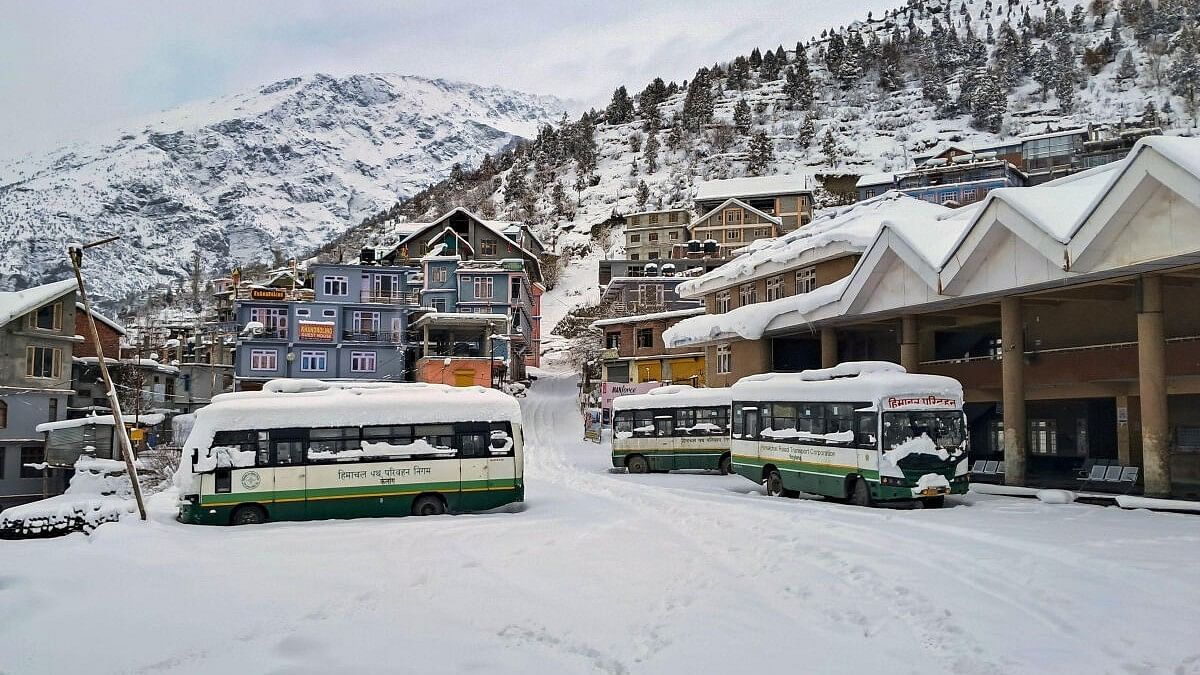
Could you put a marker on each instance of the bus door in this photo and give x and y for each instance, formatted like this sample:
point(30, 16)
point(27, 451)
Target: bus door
point(663, 459)
point(472, 443)
point(287, 454)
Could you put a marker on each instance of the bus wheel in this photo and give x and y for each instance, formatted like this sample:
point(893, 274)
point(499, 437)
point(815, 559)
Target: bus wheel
point(428, 505)
point(248, 515)
point(725, 466)
point(774, 484)
point(934, 502)
point(862, 494)
point(637, 464)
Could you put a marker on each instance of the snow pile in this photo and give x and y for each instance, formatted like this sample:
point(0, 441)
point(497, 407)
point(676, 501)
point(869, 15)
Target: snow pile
point(99, 492)
point(870, 387)
point(1055, 496)
point(751, 321)
point(931, 480)
point(223, 457)
point(832, 437)
point(418, 448)
point(918, 445)
point(675, 396)
point(851, 369)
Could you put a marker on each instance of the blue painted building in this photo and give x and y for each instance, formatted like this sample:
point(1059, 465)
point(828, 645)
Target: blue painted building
point(352, 324)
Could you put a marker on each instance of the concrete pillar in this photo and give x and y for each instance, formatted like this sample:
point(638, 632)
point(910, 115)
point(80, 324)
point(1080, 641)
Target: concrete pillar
point(425, 332)
point(1152, 386)
point(829, 352)
point(1012, 339)
point(1124, 453)
point(910, 346)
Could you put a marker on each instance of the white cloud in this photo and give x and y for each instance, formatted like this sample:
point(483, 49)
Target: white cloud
point(75, 66)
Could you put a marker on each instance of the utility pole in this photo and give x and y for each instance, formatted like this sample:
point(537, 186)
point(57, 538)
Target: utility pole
point(75, 253)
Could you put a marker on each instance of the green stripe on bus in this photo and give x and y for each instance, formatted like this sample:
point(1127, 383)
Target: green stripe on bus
point(807, 467)
point(358, 491)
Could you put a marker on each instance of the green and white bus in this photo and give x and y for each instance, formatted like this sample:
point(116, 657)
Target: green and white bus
point(305, 450)
point(864, 431)
point(672, 427)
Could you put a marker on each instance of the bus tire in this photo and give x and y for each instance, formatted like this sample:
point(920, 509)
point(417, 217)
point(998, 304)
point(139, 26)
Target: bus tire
point(428, 505)
point(637, 464)
point(725, 465)
point(248, 514)
point(861, 494)
point(933, 502)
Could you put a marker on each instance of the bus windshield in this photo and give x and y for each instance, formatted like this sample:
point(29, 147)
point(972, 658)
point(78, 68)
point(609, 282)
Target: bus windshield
point(947, 429)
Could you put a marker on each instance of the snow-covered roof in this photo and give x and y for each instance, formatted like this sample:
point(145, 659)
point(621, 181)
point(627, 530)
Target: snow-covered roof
point(145, 420)
point(875, 179)
point(103, 319)
point(495, 226)
point(749, 321)
point(853, 226)
point(15, 304)
point(674, 396)
point(734, 201)
point(759, 186)
point(852, 382)
point(656, 316)
point(1053, 134)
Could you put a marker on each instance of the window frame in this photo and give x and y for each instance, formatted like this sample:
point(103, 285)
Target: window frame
point(806, 280)
point(722, 301)
point(330, 284)
point(775, 288)
point(55, 318)
point(481, 283)
point(308, 356)
point(33, 362)
point(260, 356)
point(359, 359)
point(644, 338)
point(488, 247)
point(724, 360)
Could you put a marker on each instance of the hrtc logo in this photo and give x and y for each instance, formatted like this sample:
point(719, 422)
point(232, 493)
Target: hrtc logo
point(251, 480)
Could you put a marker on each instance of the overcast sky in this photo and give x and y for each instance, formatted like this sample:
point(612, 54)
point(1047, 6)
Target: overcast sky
point(74, 69)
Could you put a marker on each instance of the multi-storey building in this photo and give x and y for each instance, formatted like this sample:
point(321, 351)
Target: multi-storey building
point(956, 179)
point(351, 324)
point(733, 224)
point(788, 199)
point(652, 235)
point(634, 350)
point(37, 341)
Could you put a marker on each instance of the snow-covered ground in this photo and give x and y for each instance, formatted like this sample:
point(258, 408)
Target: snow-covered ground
point(603, 572)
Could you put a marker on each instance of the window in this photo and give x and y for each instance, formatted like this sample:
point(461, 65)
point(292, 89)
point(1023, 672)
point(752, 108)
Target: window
point(724, 359)
point(645, 338)
point(733, 216)
point(865, 430)
point(273, 319)
point(673, 217)
point(806, 280)
point(635, 238)
point(336, 285)
point(303, 312)
point(324, 445)
point(3, 415)
point(760, 232)
point(652, 255)
point(313, 361)
point(329, 313)
point(775, 288)
point(653, 220)
point(747, 294)
point(653, 237)
point(439, 305)
point(674, 235)
point(53, 412)
point(612, 340)
point(733, 235)
point(722, 301)
point(968, 195)
point(365, 322)
point(440, 275)
point(44, 362)
point(869, 193)
point(32, 455)
point(362, 362)
point(47, 318)
point(487, 247)
point(623, 424)
point(650, 294)
point(2, 458)
point(264, 359)
point(516, 289)
point(1043, 437)
point(635, 256)
point(483, 287)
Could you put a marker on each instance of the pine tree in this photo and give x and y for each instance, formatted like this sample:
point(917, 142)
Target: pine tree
point(515, 188)
point(643, 193)
point(835, 53)
point(1184, 73)
point(651, 153)
point(1127, 71)
point(558, 195)
point(739, 73)
point(798, 84)
point(1044, 71)
point(698, 104)
point(761, 153)
point(807, 131)
point(988, 103)
point(1067, 75)
point(1149, 116)
point(648, 101)
point(891, 72)
point(755, 58)
point(620, 110)
point(769, 70)
point(829, 147)
point(741, 116)
point(1077, 16)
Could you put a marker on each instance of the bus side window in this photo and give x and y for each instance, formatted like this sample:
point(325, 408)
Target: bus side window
point(737, 421)
point(623, 424)
point(810, 418)
point(839, 419)
point(643, 423)
point(865, 425)
point(223, 480)
point(501, 440)
point(471, 439)
point(263, 454)
point(664, 423)
point(750, 422)
point(685, 421)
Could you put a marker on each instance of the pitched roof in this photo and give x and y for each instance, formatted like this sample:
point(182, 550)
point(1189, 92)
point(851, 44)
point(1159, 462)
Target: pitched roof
point(733, 201)
point(758, 186)
point(14, 304)
point(493, 226)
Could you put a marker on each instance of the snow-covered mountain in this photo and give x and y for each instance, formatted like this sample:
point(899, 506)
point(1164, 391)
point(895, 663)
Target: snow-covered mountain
point(272, 172)
point(861, 99)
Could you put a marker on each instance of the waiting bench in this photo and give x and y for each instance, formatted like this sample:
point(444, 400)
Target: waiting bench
point(987, 471)
point(1110, 477)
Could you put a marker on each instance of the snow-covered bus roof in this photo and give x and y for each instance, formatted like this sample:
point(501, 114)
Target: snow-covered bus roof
point(876, 382)
point(675, 396)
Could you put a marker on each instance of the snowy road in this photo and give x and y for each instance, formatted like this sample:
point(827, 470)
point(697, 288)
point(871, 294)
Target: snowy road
point(611, 573)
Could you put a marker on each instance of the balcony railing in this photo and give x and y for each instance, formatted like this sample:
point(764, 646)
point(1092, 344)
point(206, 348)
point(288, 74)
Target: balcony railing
point(384, 336)
point(409, 298)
